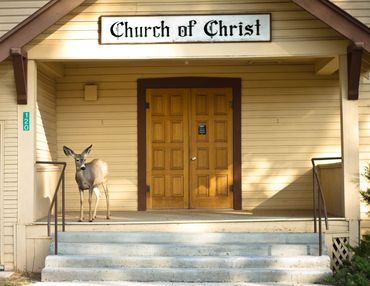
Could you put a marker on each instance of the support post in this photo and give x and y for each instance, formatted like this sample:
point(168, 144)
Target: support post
point(26, 163)
point(350, 153)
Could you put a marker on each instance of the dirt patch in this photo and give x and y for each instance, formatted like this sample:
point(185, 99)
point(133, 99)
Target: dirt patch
point(21, 278)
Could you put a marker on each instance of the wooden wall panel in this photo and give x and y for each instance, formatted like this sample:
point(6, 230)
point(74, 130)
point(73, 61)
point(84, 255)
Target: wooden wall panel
point(14, 12)
point(9, 204)
point(289, 22)
point(46, 135)
point(359, 9)
point(109, 123)
point(364, 125)
point(289, 115)
point(294, 32)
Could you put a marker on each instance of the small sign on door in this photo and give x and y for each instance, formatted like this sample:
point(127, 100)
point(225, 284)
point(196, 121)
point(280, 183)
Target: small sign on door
point(202, 129)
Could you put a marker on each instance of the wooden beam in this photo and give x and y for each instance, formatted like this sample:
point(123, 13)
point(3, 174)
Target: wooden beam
point(20, 74)
point(327, 66)
point(354, 59)
point(338, 19)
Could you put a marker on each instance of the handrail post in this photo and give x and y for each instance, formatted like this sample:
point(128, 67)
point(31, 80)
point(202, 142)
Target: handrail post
point(314, 196)
point(319, 203)
point(320, 227)
point(49, 221)
point(56, 224)
point(63, 202)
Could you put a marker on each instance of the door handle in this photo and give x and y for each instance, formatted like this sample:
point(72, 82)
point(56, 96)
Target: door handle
point(193, 158)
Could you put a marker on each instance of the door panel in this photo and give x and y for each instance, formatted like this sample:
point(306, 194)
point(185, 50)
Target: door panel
point(189, 148)
point(211, 147)
point(167, 171)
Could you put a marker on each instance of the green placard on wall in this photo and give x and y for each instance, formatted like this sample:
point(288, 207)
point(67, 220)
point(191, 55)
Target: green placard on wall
point(26, 121)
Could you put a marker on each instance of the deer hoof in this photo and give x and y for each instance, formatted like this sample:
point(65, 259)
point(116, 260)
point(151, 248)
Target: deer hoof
point(80, 220)
point(108, 217)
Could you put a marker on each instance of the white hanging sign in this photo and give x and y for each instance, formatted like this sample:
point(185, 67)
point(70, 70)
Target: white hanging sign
point(190, 28)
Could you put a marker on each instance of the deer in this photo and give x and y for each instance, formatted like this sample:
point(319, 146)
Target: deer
point(89, 176)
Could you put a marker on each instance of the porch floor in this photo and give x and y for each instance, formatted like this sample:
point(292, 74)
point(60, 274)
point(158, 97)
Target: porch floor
point(191, 216)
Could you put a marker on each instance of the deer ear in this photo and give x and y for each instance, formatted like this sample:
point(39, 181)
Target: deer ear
point(68, 151)
point(87, 150)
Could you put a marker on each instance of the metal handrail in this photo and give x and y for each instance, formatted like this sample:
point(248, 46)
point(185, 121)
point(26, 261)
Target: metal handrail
point(54, 202)
point(319, 203)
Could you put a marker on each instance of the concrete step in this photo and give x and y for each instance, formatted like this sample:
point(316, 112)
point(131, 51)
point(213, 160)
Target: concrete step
point(173, 249)
point(189, 238)
point(162, 283)
point(75, 261)
point(194, 275)
point(187, 257)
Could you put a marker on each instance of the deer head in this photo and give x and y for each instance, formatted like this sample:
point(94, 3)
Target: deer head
point(80, 159)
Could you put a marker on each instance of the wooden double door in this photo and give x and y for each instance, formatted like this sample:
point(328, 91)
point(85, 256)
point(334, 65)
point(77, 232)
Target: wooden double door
point(189, 148)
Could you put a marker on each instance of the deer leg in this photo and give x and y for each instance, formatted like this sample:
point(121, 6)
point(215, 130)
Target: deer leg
point(90, 199)
point(81, 205)
point(106, 191)
point(97, 195)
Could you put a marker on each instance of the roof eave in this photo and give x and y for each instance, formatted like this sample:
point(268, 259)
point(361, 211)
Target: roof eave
point(339, 20)
point(34, 25)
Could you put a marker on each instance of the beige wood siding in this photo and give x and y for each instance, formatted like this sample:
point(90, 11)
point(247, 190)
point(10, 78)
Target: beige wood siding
point(289, 115)
point(46, 143)
point(108, 123)
point(364, 125)
point(13, 12)
point(359, 9)
point(8, 115)
point(1, 192)
point(46, 135)
point(294, 31)
point(289, 22)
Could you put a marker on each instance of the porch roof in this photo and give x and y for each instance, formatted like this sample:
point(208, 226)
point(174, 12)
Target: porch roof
point(12, 42)
point(324, 10)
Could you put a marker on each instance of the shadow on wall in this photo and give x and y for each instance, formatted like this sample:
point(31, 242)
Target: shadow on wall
point(295, 195)
point(46, 182)
point(299, 193)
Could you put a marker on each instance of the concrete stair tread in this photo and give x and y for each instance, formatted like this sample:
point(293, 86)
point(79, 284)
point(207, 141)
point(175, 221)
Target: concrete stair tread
point(189, 275)
point(183, 244)
point(215, 237)
point(163, 283)
point(170, 269)
point(188, 261)
point(173, 249)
